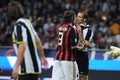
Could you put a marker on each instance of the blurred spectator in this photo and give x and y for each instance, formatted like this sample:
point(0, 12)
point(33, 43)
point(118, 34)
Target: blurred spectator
point(3, 15)
point(100, 40)
point(48, 24)
point(40, 34)
point(104, 17)
point(106, 5)
point(115, 28)
point(102, 27)
point(55, 19)
point(4, 41)
point(35, 24)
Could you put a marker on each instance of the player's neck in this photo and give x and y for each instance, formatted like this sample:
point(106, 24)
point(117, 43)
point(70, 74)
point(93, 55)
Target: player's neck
point(84, 23)
point(70, 24)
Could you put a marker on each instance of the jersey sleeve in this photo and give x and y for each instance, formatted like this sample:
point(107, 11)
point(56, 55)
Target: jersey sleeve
point(89, 34)
point(20, 34)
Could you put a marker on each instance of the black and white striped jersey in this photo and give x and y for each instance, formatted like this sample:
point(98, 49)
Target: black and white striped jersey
point(87, 33)
point(24, 32)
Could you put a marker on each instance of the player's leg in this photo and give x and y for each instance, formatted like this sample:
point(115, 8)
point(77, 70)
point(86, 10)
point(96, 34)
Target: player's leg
point(22, 77)
point(57, 72)
point(82, 62)
point(83, 77)
point(28, 77)
point(77, 72)
point(1, 70)
point(78, 60)
point(84, 66)
point(69, 69)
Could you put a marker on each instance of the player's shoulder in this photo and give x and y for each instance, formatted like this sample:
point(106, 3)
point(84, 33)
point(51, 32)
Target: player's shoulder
point(85, 26)
point(20, 20)
point(82, 25)
point(23, 20)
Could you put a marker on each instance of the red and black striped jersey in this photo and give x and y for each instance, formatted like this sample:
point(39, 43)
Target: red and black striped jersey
point(66, 39)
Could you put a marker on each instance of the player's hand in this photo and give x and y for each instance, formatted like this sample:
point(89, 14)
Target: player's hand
point(44, 63)
point(81, 46)
point(15, 73)
point(77, 22)
point(77, 47)
point(78, 28)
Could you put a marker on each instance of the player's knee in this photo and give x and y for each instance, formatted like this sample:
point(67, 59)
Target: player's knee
point(83, 77)
point(1, 70)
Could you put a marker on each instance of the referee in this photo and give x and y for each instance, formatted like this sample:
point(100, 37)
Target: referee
point(82, 55)
point(26, 44)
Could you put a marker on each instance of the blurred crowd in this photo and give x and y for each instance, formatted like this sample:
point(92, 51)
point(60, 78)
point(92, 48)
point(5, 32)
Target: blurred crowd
point(46, 16)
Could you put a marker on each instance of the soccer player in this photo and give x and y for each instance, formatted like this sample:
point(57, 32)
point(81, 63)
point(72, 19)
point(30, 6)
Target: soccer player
point(65, 67)
point(82, 55)
point(26, 44)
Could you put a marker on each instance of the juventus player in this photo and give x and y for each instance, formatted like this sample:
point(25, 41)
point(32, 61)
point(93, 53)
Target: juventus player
point(82, 55)
point(26, 43)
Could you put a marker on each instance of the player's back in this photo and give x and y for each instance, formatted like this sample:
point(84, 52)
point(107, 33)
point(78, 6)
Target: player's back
point(66, 39)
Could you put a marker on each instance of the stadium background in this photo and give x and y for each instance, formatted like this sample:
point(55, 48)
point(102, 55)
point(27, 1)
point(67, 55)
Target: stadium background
point(46, 15)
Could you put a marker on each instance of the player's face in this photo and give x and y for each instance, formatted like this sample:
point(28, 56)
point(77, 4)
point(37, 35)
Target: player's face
point(80, 17)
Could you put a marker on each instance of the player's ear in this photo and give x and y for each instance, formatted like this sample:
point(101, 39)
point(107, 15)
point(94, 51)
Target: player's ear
point(84, 19)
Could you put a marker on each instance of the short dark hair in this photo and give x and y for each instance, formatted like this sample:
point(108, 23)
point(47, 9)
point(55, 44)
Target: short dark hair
point(69, 16)
point(85, 16)
point(15, 10)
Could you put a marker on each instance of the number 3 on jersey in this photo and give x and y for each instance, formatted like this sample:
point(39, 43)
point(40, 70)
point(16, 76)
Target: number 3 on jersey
point(60, 38)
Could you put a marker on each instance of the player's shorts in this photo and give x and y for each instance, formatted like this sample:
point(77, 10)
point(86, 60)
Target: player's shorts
point(27, 77)
point(82, 62)
point(65, 70)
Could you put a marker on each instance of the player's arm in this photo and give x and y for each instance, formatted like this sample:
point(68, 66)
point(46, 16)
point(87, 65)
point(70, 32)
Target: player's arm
point(39, 47)
point(38, 44)
point(21, 45)
point(21, 50)
point(40, 50)
point(80, 35)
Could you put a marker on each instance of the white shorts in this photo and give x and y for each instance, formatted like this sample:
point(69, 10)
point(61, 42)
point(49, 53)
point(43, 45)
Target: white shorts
point(65, 70)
